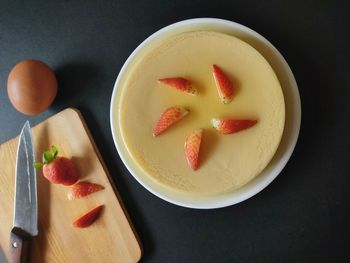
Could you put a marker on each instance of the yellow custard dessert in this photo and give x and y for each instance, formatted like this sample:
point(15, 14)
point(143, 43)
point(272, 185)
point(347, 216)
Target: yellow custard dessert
point(227, 162)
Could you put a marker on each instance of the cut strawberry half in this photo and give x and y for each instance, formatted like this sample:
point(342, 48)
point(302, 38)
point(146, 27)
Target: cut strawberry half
point(82, 189)
point(168, 118)
point(223, 84)
point(192, 146)
point(227, 126)
point(56, 169)
point(87, 219)
point(181, 84)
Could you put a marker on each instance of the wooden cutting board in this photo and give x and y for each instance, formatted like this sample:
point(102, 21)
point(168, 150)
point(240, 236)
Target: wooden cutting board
point(109, 239)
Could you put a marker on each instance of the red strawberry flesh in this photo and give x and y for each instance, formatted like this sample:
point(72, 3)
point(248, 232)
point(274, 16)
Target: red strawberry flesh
point(192, 146)
point(181, 84)
point(82, 189)
point(87, 219)
point(169, 117)
point(224, 85)
point(61, 171)
point(228, 126)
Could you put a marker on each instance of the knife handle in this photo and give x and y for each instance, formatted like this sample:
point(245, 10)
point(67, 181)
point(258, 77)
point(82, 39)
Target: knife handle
point(19, 246)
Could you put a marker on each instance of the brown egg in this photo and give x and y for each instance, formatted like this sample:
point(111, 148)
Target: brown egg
point(31, 86)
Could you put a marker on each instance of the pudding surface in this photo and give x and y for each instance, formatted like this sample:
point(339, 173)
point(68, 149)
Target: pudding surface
point(227, 162)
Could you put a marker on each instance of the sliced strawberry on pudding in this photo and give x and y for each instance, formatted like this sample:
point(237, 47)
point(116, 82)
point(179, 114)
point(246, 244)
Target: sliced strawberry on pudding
point(82, 189)
point(223, 84)
point(169, 117)
point(228, 126)
point(181, 84)
point(192, 147)
point(87, 219)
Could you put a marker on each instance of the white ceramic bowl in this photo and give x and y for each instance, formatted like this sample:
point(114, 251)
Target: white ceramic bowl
point(291, 129)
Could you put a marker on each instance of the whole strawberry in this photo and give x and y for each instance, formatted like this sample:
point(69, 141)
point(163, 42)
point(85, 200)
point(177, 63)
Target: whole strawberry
point(56, 169)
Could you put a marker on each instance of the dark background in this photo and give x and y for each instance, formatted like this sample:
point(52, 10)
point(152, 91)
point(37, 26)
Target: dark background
point(303, 216)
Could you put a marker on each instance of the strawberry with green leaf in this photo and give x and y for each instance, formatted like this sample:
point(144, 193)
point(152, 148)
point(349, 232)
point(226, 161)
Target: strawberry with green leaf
point(56, 169)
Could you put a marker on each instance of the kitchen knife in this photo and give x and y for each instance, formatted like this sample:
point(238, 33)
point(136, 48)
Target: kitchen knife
point(25, 221)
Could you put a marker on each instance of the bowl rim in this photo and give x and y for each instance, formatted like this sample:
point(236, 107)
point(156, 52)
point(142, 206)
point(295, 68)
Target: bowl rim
point(257, 184)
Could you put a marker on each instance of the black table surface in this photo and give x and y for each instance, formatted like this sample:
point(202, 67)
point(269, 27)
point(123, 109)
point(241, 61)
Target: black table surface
point(303, 216)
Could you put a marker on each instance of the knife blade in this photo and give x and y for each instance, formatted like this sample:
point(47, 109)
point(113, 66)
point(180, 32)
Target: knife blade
point(25, 221)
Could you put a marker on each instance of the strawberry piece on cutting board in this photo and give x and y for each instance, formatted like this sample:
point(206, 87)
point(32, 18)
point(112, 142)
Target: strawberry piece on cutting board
point(87, 219)
point(56, 169)
point(82, 189)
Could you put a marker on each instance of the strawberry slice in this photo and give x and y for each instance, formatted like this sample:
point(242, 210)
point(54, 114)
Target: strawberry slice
point(181, 84)
point(82, 189)
point(87, 219)
point(192, 146)
point(223, 84)
point(227, 126)
point(168, 118)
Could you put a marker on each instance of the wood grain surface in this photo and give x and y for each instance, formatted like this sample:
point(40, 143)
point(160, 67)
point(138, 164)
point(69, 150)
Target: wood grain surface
point(110, 239)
